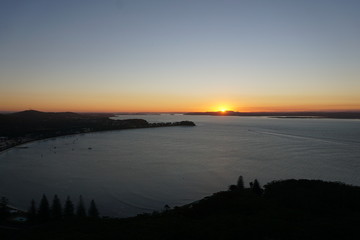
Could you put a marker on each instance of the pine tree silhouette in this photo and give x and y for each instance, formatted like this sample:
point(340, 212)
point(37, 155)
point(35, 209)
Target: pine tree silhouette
point(56, 209)
point(93, 211)
point(44, 209)
point(256, 187)
point(240, 183)
point(80, 211)
point(69, 208)
point(32, 212)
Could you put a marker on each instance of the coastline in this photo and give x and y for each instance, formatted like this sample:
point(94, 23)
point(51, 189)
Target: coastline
point(2, 150)
point(151, 125)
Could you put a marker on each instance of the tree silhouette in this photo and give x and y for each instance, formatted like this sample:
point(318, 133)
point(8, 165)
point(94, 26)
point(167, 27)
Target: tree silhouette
point(44, 209)
point(240, 183)
point(32, 212)
point(256, 187)
point(80, 211)
point(69, 208)
point(56, 209)
point(93, 211)
point(166, 208)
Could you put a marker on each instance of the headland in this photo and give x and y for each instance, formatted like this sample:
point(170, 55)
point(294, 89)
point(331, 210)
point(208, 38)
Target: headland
point(26, 126)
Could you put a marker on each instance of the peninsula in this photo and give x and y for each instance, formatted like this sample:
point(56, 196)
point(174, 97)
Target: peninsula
point(26, 126)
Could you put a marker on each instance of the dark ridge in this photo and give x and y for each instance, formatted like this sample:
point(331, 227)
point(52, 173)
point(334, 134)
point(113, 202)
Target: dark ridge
point(33, 114)
point(28, 113)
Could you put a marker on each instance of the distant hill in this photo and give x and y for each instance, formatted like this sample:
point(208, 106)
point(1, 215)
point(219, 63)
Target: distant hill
point(33, 114)
point(28, 113)
point(31, 125)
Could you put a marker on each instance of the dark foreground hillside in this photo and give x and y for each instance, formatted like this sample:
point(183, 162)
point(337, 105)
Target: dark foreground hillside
point(290, 209)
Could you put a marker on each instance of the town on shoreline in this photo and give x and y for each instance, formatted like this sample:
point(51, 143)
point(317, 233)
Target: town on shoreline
point(27, 126)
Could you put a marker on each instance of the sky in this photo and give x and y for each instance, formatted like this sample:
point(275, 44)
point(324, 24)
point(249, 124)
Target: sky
point(179, 55)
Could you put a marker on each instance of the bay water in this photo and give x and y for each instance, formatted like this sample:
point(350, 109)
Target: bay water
point(133, 171)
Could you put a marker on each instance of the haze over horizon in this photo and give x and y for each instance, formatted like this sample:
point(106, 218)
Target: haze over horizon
point(179, 56)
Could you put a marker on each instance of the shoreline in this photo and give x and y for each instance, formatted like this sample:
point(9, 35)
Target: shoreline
point(156, 125)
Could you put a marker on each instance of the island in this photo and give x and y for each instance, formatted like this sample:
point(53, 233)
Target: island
point(26, 126)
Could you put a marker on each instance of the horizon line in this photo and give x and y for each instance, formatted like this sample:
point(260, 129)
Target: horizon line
point(183, 112)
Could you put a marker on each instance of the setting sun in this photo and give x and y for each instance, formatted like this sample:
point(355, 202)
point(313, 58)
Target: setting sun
point(223, 109)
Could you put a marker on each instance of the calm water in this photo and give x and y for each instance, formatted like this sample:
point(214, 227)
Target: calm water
point(133, 171)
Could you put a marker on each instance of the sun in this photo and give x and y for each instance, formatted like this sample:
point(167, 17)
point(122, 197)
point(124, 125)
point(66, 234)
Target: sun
point(222, 108)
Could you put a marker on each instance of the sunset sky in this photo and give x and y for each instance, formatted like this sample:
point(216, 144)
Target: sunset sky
point(179, 55)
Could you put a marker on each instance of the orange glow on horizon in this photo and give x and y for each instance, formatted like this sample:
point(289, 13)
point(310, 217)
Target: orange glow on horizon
point(112, 109)
point(98, 102)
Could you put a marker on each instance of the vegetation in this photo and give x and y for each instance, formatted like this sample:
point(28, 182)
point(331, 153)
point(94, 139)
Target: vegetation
point(69, 209)
point(240, 183)
point(45, 213)
point(56, 209)
point(80, 212)
point(93, 211)
point(44, 210)
point(288, 209)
